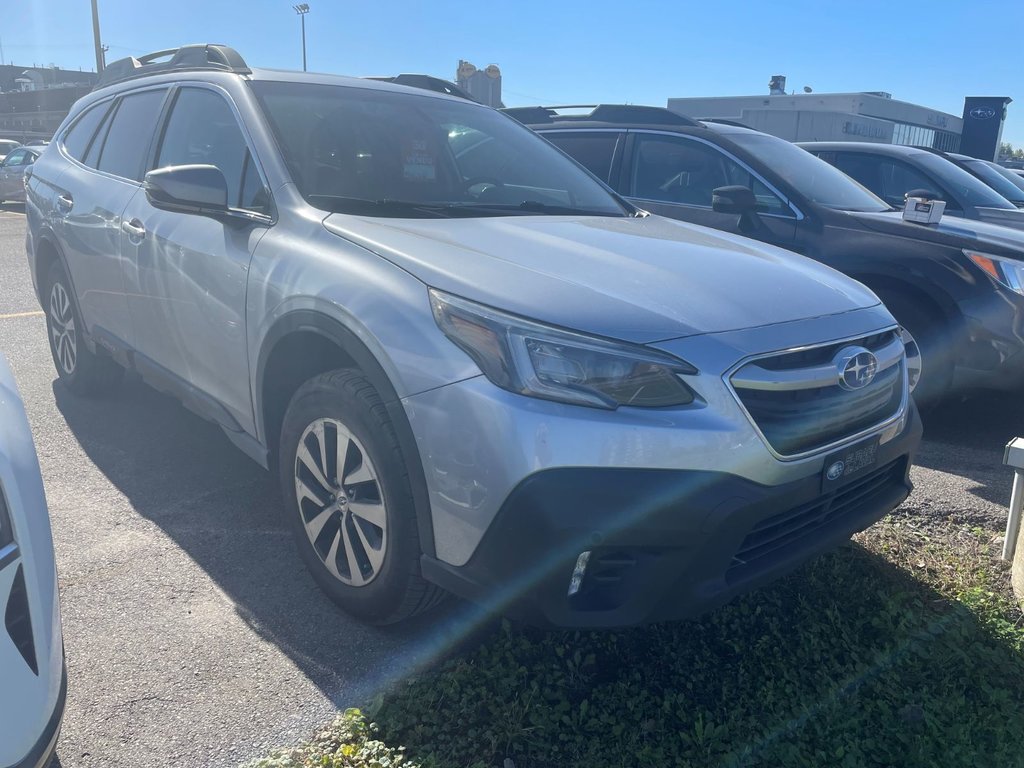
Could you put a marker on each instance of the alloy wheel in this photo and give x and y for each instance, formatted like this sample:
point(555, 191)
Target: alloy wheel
point(62, 329)
point(340, 502)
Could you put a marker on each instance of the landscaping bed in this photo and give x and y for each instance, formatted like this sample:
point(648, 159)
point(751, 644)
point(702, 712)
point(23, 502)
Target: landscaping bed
point(904, 648)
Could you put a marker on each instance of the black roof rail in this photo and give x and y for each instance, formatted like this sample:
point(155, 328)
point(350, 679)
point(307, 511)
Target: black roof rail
point(188, 57)
point(601, 113)
point(723, 121)
point(427, 83)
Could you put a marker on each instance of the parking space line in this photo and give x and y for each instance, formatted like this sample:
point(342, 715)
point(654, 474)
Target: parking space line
point(12, 315)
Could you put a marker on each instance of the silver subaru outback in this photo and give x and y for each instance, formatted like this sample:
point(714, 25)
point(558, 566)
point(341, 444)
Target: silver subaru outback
point(474, 368)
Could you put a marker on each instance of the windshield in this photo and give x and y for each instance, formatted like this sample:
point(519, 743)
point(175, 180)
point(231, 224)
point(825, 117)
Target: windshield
point(1006, 173)
point(812, 177)
point(390, 153)
point(964, 187)
point(991, 176)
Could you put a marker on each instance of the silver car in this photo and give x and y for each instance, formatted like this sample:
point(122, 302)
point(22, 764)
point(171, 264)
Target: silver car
point(12, 173)
point(473, 368)
point(34, 685)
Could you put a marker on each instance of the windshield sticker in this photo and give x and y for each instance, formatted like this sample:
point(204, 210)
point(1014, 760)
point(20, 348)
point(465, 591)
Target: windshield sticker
point(419, 163)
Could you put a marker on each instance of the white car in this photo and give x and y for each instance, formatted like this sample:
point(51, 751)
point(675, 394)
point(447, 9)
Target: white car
point(33, 680)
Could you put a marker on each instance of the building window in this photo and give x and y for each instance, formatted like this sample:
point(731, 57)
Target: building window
point(913, 135)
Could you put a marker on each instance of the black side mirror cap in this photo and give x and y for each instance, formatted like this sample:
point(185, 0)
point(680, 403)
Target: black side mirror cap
point(733, 199)
point(200, 189)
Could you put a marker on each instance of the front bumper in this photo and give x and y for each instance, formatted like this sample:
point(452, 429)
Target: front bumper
point(991, 356)
point(665, 544)
point(42, 752)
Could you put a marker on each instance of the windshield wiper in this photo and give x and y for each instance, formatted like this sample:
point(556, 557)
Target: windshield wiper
point(384, 206)
point(535, 206)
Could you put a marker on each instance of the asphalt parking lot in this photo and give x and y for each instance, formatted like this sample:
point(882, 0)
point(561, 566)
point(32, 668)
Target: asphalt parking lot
point(194, 636)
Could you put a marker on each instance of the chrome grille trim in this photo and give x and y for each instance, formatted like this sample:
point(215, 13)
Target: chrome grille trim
point(897, 416)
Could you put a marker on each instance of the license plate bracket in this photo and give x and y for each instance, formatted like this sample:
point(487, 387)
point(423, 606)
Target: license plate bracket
point(849, 463)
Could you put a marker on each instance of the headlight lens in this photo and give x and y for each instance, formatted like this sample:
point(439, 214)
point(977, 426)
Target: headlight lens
point(1008, 272)
point(539, 361)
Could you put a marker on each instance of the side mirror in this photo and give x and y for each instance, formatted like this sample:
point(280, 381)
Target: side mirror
point(927, 194)
point(733, 199)
point(200, 189)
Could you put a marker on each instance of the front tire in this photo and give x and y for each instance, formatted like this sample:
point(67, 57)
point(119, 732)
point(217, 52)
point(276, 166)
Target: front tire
point(348, 499)
point(927, 338)
point(82, 371)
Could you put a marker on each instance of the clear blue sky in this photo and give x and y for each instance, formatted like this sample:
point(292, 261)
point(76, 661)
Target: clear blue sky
point(932, 53)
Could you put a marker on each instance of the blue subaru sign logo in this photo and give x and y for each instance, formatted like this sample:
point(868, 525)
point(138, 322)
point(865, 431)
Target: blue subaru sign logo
point(856, 367)
point(835, 471)
point(982, 113)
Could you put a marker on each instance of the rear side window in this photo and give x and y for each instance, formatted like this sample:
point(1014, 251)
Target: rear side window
point(130, 133)
point(594, 151)
point(77, 138)
point(202, 130)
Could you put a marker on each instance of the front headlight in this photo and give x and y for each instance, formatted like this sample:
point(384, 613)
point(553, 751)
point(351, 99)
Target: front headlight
point(1008, 272)
point(540, 361)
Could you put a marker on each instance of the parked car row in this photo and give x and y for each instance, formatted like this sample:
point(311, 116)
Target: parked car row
point(955, 288)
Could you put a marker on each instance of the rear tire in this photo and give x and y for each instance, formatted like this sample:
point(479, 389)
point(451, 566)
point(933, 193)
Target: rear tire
point(930, 333)
point(348, 499)
point(82, 371)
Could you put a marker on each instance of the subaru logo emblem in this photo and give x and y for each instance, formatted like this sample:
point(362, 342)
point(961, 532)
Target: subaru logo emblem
point(982, 113)
point(835, 471)
point(856, 368)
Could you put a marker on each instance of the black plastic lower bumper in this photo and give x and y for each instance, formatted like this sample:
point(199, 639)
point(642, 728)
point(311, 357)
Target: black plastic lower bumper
point(42, 753)
point(664, 544)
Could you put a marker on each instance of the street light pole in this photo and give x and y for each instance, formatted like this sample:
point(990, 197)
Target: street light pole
point(96, 37)
point(302, 9)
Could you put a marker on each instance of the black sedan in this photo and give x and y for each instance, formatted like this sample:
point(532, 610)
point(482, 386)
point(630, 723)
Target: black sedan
point(956, 288)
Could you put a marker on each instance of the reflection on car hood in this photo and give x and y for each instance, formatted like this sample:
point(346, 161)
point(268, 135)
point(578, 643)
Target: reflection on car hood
point(975, 233)
point(636, 279)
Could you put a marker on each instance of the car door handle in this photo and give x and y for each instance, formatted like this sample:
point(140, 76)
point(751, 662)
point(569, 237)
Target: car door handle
point(134, 229)
point(65, 203)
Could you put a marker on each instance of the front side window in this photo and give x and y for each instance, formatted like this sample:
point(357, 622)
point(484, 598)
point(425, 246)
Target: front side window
point(673, 169)
point(130, 133)
point(18, 157)
point(202, 130)
point(389, 153)
point(594, 151)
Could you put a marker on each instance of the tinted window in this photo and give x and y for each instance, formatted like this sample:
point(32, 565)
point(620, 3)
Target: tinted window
point(130, 133)
point(77, 138)
point(677, 170)
point(594, 151)
point(887, 178)
point(254, 194)
point(392, 153)
point(959, 182)
point(18, 157)
point(810, 176)
point(92, 154)
point(202, 130)
point(994, 179)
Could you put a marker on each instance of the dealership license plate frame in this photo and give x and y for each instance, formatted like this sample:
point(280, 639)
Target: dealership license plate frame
point(849, 463)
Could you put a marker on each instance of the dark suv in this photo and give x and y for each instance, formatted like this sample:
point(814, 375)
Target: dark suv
point(954, 289)
point(891, 171)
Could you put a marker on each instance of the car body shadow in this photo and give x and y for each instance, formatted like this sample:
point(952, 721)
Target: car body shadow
point(966, 438)
point(182, 473)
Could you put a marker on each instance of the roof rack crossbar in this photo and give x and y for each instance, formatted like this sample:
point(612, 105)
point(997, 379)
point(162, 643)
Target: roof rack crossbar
point(187, 57)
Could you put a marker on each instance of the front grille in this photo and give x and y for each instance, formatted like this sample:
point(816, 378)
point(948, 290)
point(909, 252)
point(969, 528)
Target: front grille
point(18, 621)
point(775, 537)
point(798, 411)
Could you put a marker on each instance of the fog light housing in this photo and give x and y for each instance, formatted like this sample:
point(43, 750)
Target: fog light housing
point(578, 572)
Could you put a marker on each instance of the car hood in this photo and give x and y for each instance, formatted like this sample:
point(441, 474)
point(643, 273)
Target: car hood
point(636, 279)
point(975, 233)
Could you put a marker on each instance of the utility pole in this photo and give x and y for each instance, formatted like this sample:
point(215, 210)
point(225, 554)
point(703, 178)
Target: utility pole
point(96, 37)
point(302, 9)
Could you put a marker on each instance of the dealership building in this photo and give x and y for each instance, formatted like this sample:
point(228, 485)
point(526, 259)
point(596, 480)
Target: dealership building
point(870, 116)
